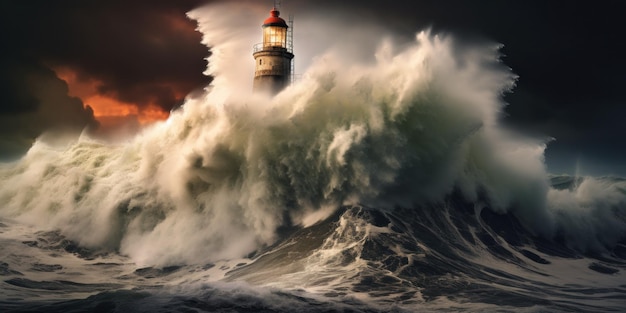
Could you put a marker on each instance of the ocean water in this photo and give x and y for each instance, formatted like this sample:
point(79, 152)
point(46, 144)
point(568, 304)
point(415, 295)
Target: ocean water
point(370, 185)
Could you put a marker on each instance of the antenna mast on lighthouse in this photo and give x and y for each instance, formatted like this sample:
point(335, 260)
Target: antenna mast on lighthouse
point(290, 46)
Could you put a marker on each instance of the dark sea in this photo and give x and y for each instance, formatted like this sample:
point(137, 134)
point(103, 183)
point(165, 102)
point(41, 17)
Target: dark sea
point(385, 184)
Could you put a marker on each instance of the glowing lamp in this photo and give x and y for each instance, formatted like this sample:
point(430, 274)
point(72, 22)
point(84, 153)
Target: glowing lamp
point(274, 31)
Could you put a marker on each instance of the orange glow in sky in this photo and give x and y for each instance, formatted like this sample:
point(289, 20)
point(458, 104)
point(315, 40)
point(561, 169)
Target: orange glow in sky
point(105, 107)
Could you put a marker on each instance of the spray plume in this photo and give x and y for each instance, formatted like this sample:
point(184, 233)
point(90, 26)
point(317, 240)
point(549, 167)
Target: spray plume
point(221, 175)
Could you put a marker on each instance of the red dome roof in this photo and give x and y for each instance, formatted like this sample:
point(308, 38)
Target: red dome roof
point(274, 20)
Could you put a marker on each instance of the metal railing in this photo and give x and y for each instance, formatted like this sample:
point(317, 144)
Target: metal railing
point(269, 46)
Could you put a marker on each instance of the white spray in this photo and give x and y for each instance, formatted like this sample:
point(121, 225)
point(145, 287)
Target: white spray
point(219, 177)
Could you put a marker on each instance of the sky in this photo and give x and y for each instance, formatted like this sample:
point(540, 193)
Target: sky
point(110, 67)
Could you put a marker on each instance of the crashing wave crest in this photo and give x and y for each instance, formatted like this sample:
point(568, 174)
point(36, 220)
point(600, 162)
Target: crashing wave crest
point(225, 172)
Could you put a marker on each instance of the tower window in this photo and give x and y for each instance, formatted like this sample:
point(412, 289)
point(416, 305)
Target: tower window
point(260, 61)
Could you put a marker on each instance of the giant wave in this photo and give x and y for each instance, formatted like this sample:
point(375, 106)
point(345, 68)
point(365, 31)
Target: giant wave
point(369, 184)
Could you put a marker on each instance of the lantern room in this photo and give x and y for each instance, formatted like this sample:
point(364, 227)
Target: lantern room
point(274, 31)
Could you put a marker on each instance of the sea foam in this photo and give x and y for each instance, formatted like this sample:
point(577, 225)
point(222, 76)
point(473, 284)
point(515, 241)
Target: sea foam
point(410, 125)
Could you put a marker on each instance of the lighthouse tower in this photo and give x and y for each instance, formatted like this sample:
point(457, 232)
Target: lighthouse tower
point(273, 56)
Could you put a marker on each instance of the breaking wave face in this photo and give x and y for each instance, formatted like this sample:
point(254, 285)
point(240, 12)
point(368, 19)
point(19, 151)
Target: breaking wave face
point(226, 172)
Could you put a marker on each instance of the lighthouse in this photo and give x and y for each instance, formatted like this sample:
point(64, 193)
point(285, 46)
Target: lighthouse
point(273, 56)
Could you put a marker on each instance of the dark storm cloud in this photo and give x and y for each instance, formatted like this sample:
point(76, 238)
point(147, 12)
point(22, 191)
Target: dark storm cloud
point(141, 52)
point(34, 101)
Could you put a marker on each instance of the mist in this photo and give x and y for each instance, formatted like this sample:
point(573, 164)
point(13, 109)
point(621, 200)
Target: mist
point(371, 121)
